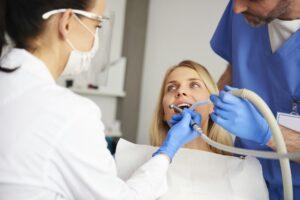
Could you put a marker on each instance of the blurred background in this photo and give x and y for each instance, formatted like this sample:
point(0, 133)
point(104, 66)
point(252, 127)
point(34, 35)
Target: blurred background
point(142, 39)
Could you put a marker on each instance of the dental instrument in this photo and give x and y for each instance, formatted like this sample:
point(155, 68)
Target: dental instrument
point(281, 154)
point(239, 151)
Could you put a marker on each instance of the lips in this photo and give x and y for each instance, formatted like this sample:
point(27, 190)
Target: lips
point(182, 105)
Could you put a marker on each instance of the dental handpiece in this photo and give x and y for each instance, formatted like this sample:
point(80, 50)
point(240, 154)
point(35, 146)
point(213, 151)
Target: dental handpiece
point(195, 126)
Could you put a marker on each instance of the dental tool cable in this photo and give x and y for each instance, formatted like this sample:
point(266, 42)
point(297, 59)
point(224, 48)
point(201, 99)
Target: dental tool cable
point(240, 151)
point(281, 153)
point(277, 135)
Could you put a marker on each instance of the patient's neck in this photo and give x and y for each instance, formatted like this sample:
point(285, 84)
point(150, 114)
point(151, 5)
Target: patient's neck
point(198, 143)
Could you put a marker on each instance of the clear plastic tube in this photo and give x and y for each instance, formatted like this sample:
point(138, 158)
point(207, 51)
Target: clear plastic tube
point(200, 103)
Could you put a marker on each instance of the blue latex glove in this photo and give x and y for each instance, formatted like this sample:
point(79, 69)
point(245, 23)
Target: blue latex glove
point(240, 117)
point(179, 134)
point(176, 118)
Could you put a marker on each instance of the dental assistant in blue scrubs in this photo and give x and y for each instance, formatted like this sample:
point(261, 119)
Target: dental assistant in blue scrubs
point(261, 41)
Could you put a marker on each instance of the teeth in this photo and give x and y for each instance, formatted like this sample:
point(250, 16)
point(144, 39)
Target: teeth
point(184, 105)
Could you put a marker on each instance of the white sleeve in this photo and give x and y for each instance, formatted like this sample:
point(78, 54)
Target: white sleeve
point(82, 167)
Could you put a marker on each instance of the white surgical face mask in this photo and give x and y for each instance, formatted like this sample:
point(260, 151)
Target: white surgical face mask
point(80, 61)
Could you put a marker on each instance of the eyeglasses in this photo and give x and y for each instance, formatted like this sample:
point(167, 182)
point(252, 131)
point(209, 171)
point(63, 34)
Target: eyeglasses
point(79, 12)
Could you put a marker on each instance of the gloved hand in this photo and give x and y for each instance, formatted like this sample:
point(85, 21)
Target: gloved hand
point(180, 133)
point(239, 117)
point(176, 118)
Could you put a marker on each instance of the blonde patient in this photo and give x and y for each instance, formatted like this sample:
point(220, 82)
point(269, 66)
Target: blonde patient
point(183, 85)
point(195, 174)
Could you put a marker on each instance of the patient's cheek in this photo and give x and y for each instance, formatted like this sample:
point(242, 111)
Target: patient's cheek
point(167, 114)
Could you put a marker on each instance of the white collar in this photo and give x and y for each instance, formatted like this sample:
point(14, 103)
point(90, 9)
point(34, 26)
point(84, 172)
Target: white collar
point(280, 31)
point(22, 58)
point(291, 26)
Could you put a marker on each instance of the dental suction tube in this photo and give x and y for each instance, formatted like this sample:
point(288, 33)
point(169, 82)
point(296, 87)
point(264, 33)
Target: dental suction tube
point(277, 135)
point(281, 153)
point(240, 151)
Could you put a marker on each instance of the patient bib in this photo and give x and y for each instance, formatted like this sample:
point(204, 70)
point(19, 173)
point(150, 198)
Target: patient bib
point(195, 174)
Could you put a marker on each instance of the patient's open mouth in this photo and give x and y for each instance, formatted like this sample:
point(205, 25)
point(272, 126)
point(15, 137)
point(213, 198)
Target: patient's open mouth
point(183, 106)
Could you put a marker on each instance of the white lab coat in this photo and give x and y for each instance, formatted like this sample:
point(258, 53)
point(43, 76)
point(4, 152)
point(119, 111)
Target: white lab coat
point(52, 145)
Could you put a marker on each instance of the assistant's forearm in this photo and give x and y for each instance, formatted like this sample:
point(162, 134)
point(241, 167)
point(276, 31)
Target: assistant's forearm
point(291, 138)
point(226, 78)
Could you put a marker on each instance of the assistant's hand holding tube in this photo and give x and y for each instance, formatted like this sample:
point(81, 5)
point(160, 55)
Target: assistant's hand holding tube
point(180, 133)
point(240, 117)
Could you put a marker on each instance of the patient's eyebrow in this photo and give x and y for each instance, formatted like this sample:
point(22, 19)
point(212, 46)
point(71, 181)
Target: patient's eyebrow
point(195, 79)
point(172, 82)
point(190, 79)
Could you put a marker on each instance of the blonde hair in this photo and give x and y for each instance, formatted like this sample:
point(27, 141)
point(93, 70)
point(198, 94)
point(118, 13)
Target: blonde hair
point(159, 128)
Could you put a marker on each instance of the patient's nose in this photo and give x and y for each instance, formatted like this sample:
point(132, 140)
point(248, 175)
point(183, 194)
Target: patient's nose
point(181, 93)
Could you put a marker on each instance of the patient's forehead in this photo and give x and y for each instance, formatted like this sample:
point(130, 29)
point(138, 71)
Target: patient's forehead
point(182, 74)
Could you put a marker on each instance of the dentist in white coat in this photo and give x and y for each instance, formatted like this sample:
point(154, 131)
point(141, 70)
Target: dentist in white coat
point(52, 144)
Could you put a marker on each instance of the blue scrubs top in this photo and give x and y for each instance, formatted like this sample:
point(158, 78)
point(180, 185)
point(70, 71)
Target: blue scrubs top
point(273, 76)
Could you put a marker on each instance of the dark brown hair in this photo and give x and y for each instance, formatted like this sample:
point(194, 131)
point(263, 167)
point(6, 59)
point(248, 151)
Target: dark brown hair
point(22, 20)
